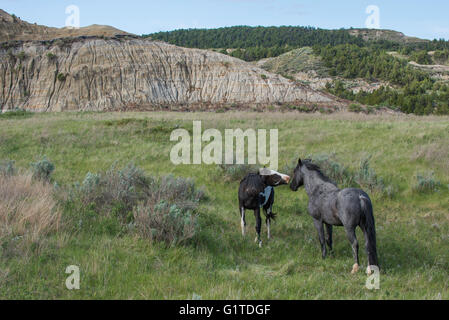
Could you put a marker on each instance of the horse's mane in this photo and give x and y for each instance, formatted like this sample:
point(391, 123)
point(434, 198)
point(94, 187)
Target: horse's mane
point(252, 176)
point(314, 167)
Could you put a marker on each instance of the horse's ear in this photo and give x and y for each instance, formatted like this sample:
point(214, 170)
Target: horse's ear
point(300, 162)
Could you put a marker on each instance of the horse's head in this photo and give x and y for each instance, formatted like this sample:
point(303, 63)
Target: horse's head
point(298, 177)
point(273, 178)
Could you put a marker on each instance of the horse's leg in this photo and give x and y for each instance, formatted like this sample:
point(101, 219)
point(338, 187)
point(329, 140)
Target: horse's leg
point(350, 232)
point(329, 236)
point(268, 222)
point(367, 246)
point(258, 226)
point(319, 227)
point(242, 220)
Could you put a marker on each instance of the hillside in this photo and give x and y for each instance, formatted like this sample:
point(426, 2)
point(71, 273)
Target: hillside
point(102, 68)
point(386, 35)
point(13, 28)
point(255, 43)
point(294, 61)
point(138, 74)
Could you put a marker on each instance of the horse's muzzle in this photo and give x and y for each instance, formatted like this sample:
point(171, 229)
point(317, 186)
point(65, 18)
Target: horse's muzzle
point(285, 179)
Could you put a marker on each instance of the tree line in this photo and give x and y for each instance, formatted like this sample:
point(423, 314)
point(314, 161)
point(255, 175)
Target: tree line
point(344, 55)
point(255, 42)
point(263, 42)
point(415, 91)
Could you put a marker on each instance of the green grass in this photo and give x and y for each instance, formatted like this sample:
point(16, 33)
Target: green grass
point(412, 228)
point(15, 114)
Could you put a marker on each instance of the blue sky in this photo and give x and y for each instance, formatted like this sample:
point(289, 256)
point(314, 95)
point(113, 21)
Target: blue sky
point(425, 19)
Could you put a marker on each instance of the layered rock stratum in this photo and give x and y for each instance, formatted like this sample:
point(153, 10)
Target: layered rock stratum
point(131, 73)
point(117, 74)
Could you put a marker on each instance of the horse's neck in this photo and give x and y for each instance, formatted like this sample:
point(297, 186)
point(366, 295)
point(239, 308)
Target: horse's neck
point(315, 185)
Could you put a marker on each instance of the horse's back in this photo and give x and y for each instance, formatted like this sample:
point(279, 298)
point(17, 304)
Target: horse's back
point(350, 206)
point(250, 188)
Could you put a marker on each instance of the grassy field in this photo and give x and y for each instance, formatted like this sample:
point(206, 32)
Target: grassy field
point(217, 263)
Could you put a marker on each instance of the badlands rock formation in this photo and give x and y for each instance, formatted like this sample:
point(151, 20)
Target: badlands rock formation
point(13, 28)
point(132, 73)
point(103, 68)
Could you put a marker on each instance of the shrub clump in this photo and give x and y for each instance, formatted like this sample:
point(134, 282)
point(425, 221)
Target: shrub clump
point(159, 209)
point(61, 77)
point(334, 169)
point(42, 169)
point(7, 168)
point(426, 183)
point(115, 191)
point(236, 172)
point(164, 222)
point(15, 113)
point(168, 212)
point(354, 107)
point(51, 56)
point(21, 55)
point(366, 176)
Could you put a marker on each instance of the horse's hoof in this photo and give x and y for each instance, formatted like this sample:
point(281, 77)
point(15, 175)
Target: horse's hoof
point(369, 271)
point(260, 244)
point(355, 268)
point(256, 239)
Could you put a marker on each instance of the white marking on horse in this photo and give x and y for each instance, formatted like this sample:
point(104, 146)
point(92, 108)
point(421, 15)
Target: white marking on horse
point(361, 197)
point(269, 172)
point(242, 222)
point(268, 230)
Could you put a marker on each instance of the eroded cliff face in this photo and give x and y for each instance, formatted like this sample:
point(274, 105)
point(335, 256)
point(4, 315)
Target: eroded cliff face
point(122, 74)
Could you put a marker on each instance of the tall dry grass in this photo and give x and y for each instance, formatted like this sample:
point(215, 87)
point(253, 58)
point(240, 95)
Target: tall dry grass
point(28, 209)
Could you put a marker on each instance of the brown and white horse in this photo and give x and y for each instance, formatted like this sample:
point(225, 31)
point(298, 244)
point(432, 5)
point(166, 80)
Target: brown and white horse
point(257, 190)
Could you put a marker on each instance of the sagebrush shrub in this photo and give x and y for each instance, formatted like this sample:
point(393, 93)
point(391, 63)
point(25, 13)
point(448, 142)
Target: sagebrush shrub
point(354, 107)
point(181, 191)
point(7, 168)
point(164, 222)
point(235, 172)
point(366, 176)
point(336, 171)
point(160, 209)
point(42, 169)
point(426, 183)
point(118, 189)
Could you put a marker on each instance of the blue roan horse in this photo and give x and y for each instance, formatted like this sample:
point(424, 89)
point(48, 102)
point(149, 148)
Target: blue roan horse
point(331, 206)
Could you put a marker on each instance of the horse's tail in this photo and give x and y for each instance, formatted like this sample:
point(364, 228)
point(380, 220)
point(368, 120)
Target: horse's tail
point(271, 216)
point(370, 229)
